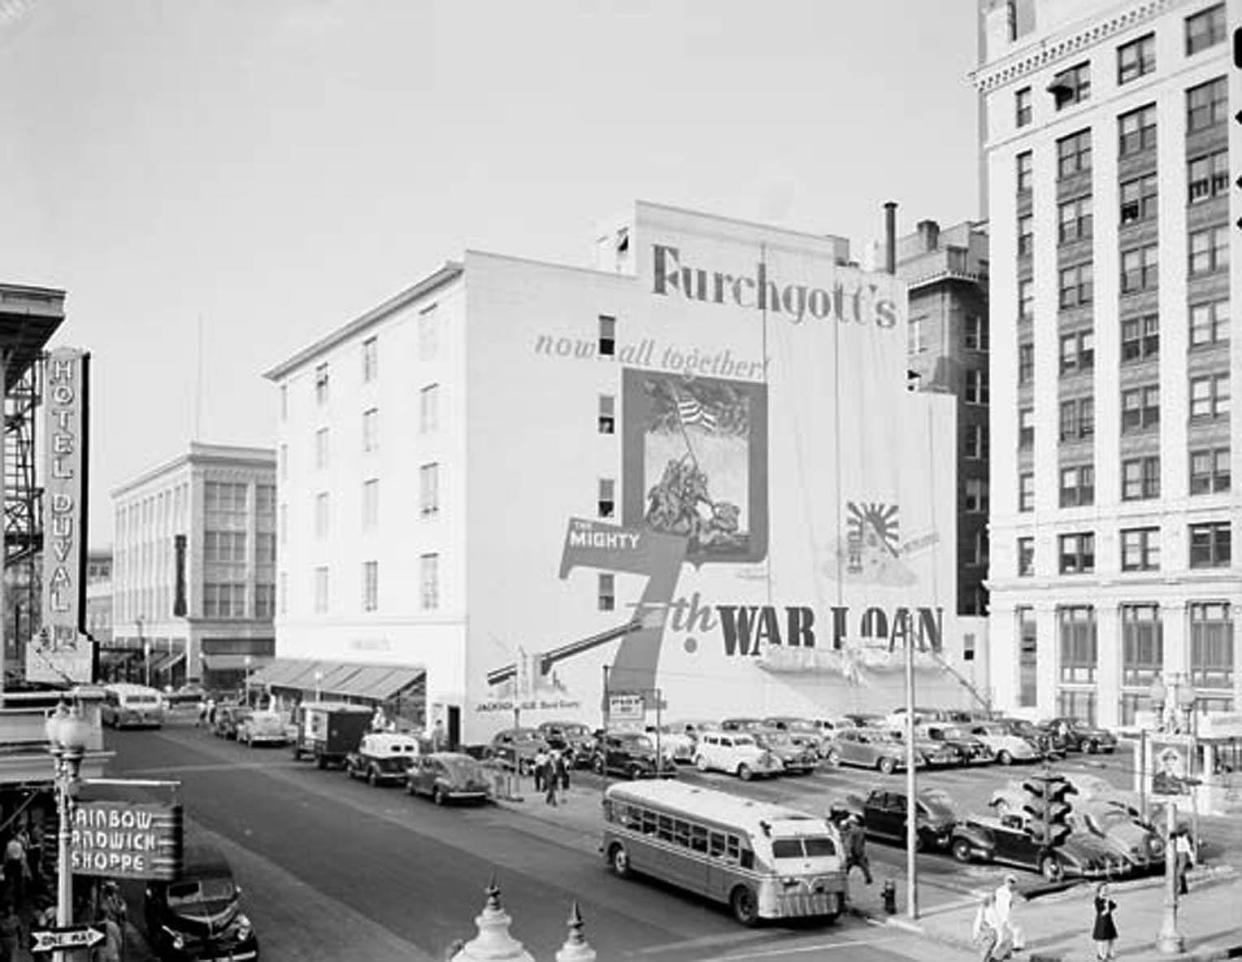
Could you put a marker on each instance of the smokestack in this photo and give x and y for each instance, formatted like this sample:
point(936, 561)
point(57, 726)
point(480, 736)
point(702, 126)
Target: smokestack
point(890, 236)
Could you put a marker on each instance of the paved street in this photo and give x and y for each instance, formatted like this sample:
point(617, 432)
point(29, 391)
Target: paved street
point(335, 869)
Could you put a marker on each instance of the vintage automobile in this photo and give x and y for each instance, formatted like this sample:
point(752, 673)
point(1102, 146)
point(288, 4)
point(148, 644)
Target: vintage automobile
point(933, 754)
point(970, 750)
point(798, 759)
point(1129, 837)
point(741, 724)
point(1039, 737)
point(382, 758)
point(572, 737)
point(674, 742)
point(448, 776)
point(198, 915)
point(1007, 748)
point(516, 748)
point(869, 748)
point(1007, 840)
point(736, 753)
point(328, 731)
point(632, 754)
point(228, 718)
point(262, 728)
point(863, 719)
point(883, 814)
point(1078, 736)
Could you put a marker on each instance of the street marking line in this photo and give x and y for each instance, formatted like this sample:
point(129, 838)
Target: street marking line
point(817, 947)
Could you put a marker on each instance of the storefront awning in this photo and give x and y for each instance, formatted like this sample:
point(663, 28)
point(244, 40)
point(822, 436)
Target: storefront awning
point(279, 672)
point(338, 679)
point(224, 662)
point(167, 661)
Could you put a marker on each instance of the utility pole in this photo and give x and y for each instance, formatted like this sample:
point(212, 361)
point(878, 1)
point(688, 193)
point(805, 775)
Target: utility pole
point(912, 811)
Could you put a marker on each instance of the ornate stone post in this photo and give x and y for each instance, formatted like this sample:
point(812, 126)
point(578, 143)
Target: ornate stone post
point(493, 943)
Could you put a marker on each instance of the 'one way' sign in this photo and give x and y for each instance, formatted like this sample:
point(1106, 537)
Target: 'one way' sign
point(74, 937)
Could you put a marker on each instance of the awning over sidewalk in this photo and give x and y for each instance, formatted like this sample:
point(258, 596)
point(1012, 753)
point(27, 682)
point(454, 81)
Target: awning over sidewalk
point(167, 661)
point(369, 682)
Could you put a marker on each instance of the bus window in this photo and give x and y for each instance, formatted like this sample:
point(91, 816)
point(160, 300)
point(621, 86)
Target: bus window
point(698, 838)
point(633, 818)
point(681, 833)
point(820, 846)
point(732, 848)
point(716, 843)
point(748, 858)
point(666, 828)
point(649, 822)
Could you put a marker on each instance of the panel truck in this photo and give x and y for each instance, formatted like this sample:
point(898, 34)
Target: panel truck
point(329, 730)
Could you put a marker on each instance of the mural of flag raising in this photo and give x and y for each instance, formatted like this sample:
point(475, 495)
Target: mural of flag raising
point(692, 412)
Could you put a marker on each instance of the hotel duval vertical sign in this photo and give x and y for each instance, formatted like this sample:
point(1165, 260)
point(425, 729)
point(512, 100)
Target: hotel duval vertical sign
point(60, 651)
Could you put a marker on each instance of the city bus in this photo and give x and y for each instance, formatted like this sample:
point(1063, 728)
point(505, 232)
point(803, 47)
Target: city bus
point(764, 861)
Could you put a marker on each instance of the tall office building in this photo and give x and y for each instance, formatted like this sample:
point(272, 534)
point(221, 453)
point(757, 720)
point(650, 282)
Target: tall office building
point(1107, 158)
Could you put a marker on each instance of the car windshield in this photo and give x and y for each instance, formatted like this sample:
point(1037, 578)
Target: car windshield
point(811, 846)
point(743, 740)
point(938, 802)
point(639, 742)
point(189, 892)
point(881, 736)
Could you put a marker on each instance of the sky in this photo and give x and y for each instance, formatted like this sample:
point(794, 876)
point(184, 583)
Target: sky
point(218, 183)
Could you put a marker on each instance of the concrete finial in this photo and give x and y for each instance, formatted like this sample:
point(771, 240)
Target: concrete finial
point(576, 947)
point(493, 943)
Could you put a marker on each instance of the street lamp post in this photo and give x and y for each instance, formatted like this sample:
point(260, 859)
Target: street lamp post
point(246, 662)
point(145, 645)
point(66, 735)
point(1167, 704)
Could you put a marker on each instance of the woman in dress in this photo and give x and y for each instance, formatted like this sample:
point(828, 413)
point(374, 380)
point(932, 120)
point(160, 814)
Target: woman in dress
point(1104, 932)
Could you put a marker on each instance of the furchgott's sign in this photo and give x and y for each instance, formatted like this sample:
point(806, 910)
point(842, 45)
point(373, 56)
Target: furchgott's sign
point(127, 840)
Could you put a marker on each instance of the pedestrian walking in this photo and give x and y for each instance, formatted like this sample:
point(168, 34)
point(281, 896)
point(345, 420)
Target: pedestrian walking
point(560, 771)
point(856, 847)
point(986, 930)
point(1104, 932)
point(211, 712)
point(15, 867)
point(541, 767)
point(1184, 852)
point(1010, 934)
point(550, 778)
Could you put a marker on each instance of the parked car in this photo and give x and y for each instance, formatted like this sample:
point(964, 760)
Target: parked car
point(1007, 748)
point(1040, 738)
point(1078, 736)
point(863, 719)
point(798, 759)
point(632, 754)
point(741, 724)
point(262, 728)
point(382, 758)
point(198, 915)
point(1130, 838)
point(228, 719)
point(516, 748)
point(869, 748)
point(126, 705)
point(736, 753)
point(1007, 840)
point(574, 738)
point(970, 750)
point(448, 776)
point(674, 743)
point(329, 730)
point(932, 753)
point(884, 812)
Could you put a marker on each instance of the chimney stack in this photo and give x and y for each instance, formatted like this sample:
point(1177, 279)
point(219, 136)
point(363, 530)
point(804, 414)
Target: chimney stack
point(890, 236)
point(929, 234)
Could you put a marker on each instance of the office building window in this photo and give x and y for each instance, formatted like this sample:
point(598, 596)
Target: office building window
point(1140, 549)
point(321, 514)
point(1077, 486)
point(1138, 199)
point(429, 488)
point(1071, 86)
point(224, 600)
point(1211, 545)
point(606, 416)
point(975, 333)
point(606, 500)
point(370, 585)
point(1074, 154)
point(915, 343)
point(606, 593)
point(370, 503)
point(1076, 285)
point(1207, 176)
point(1209, 250)
point(1024, 171)
point(1211, 645)
point(1205, 29)
point(1136, 130)
point(1026, 363)
point(1077, 553)
point(1209, 396)
point(1022, 106)
point(1140, 338)
point(321, 590)
point(1209, 323)
point(224, 546)
point(1028, 657)
point(321, 384)
point(1026, 235)
point(429, 409)
point(1140, 478)
point(1026, 428)
point(429, 581)
point(1139, 269)
point(370, 359)
point(370, 429)
point(321, 449)
point(1026, 300)
point(1026, 491)
point(976, 387)
point(976, 496)
point(1142, 647)
point(1140, 408)
point(428, 333)
point(977, 441)
point(264, 600)
point(1075, 217)
point(1077, 352)
point(607, 336)
point(1209, 470)
point(1078, 644)
point(1026, 557)
point(1206, 105)
point(1077, 419)
point(1136, 59)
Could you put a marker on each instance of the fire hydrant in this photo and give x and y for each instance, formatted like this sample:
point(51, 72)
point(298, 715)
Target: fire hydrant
point(889, 894)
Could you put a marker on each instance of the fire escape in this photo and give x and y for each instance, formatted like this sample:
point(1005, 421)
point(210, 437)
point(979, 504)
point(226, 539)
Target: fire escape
point(23, 503)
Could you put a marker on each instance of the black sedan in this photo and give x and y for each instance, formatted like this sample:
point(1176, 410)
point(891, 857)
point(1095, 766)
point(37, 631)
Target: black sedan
point(1079, 736)
point(884, 817)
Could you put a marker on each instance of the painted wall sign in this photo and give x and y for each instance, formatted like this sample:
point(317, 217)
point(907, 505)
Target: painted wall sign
point(127, 840)
point(60, 651)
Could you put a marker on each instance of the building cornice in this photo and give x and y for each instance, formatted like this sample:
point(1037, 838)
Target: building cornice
point(1065, 44)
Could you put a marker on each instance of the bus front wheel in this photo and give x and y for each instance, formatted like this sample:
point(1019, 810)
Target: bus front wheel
point(619, 859)
point(744, 905)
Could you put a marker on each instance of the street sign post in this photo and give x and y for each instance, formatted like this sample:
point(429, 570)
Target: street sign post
point(72, 937)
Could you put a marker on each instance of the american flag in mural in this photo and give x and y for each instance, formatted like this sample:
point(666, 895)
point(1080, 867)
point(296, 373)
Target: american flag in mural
point(691, 411)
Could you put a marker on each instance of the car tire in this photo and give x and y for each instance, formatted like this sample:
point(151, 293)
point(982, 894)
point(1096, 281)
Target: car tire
point(619, 861)
point(409, 788)
point(744, 772)
point(886, 765)
point(635, 773)
point(833, 758)
point(700, 762)
point(961, 850)
point(1051, 869)
point(1004, 757)
point(321, 762)
point(1093, 747)
point(744, 905)
point(437, 795)
point(297, 753)
point(372, 777)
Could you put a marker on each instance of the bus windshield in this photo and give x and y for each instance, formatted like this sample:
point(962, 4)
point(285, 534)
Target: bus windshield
point(809, 846)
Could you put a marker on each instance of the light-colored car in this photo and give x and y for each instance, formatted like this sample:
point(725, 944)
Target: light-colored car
point(383, 758)
point(675, 743)
point(1007, 748)
point(736, 753)
point(869, 748)
point(262, 728)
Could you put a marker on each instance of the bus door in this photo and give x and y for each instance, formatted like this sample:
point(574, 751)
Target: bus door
point(726, 856)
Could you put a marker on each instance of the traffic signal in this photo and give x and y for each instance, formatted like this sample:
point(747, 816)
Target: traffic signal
point(1048, 808)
